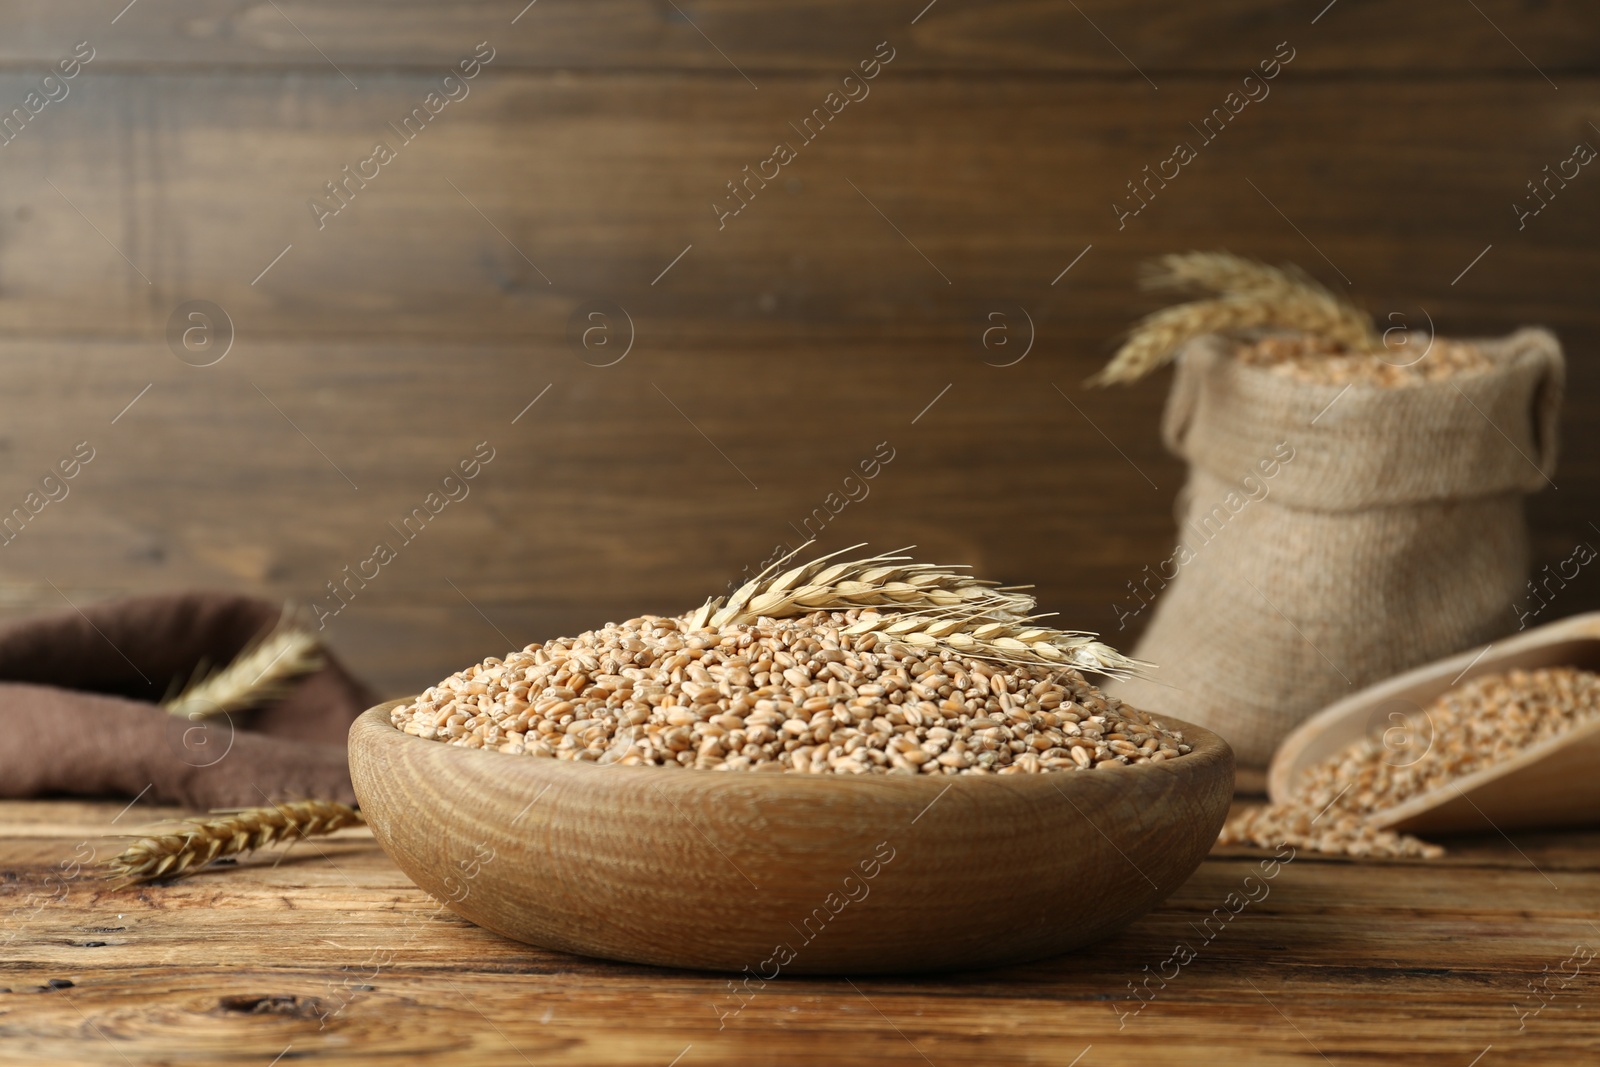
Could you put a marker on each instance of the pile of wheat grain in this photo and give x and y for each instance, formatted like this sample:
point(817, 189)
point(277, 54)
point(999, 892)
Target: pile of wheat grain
point(1313, 358)
point(1486, 721)
point(825, 692)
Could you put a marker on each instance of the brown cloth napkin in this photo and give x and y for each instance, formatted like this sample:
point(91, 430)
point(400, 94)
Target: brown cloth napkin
point(79, 714)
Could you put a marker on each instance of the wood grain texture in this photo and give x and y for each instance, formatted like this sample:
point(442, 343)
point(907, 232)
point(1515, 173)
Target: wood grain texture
point(779, 350)
point(1105, 38)
point(540, 191)
point(1548, 784)
point(331, 953)
point(799, 873)
point(548, 540)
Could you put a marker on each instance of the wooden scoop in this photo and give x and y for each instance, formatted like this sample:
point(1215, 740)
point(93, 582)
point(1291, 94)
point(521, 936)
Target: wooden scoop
point(1553, 783)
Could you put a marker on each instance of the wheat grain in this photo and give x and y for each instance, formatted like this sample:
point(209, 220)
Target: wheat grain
point(855, 666)
point(1316, 359)
point(1481, 723)
point(805, 693)
point(259, 674)
point(188, 845)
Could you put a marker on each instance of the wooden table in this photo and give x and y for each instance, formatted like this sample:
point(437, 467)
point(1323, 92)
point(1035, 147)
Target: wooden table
point(329, 954)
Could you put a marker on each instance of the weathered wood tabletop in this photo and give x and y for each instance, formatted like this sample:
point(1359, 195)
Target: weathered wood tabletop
point(328, 954)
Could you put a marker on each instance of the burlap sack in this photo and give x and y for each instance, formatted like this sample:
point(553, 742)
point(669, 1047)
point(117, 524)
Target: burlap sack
point(1330, 537)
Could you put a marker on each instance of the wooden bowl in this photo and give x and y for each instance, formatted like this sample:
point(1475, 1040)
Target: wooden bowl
point(1552, 783)
point(791, 873)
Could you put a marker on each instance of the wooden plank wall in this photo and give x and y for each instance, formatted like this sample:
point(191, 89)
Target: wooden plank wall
point(773, 351)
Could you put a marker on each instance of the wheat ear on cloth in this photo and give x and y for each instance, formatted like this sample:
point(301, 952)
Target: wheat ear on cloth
point(81, 714)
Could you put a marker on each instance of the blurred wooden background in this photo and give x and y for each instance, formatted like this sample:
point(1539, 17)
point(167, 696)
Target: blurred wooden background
point(776, 353)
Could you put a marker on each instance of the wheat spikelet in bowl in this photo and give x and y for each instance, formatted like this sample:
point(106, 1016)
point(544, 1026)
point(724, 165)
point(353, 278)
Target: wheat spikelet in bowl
point(1013, 641)
point(923, 604)
point(887, 581)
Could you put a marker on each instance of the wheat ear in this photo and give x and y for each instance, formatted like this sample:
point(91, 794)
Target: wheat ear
point(887, 581)
point(261, 673)
point(920, 604)
point(190, 844)
point(1251, 294)
point(1223, 273)
point(1020, 642)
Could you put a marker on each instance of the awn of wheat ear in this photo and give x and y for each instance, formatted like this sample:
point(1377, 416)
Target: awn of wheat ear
point(185, 846)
